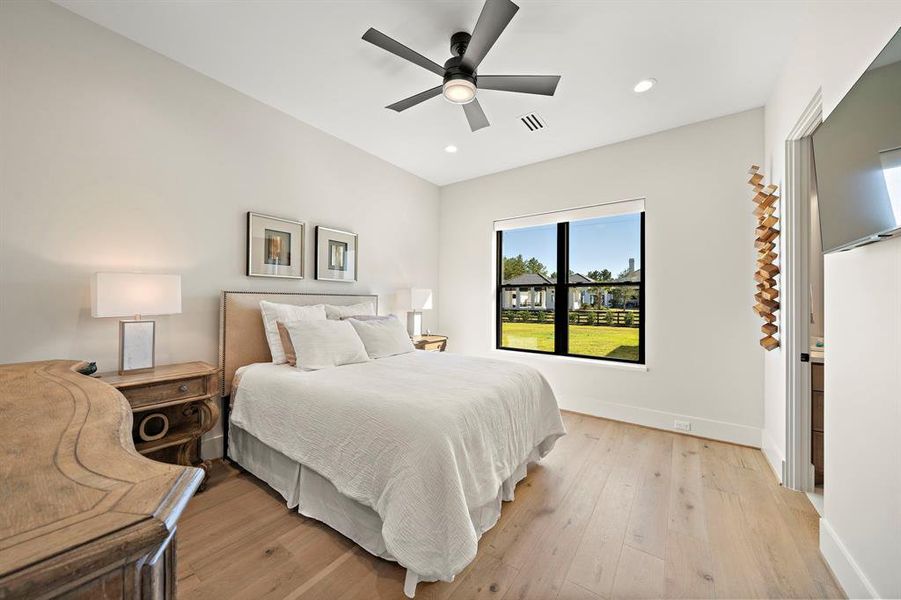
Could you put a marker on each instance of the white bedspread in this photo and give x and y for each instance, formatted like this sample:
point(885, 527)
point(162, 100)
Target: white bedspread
point(421, 438)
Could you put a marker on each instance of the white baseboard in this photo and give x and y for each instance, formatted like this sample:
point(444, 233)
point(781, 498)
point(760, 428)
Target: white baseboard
point(707, 428)
point(844, 567)
point(212, 447)
point(773, 454)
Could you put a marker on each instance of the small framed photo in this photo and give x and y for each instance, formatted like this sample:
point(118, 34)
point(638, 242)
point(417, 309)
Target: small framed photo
point(274, 246)
point(336, 255)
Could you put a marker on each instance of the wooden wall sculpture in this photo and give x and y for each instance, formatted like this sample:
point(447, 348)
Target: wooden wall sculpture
point(766, 300)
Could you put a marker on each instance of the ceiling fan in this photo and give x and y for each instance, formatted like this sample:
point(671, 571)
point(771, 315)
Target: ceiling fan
point(461, 81)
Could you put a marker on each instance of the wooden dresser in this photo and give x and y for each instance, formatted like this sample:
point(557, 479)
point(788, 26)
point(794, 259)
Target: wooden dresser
point(83, 515)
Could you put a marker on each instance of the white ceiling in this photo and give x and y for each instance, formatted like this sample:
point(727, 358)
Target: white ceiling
point(306, 58)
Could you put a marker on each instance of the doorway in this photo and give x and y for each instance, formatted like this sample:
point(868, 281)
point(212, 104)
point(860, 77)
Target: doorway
point(803, 337)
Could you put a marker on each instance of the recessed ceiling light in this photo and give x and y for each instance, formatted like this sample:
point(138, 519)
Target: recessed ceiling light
point(644, 85)
point(450, 149)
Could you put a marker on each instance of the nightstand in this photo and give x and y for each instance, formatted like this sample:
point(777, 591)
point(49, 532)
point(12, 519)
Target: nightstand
point(432, 343)
point(173, 406)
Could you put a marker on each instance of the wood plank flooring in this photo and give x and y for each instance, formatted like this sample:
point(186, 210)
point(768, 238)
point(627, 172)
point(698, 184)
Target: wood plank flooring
point(615, 511)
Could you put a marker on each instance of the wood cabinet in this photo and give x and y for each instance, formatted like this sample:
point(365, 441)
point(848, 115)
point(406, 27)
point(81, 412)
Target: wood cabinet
point(174, 405)
point(816, 421)
point(84, 515)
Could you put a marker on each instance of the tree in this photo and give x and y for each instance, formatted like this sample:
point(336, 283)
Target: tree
point(602, 275)
point(514, 266)
point(622, 295)
point(533, 265)
point(554, 274)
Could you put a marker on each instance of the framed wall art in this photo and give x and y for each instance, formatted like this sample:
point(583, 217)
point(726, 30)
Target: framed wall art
point(274, 246)
point(336, 255)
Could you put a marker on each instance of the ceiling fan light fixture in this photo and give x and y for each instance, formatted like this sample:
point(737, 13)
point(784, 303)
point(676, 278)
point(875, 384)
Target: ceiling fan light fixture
point(459, 91)
point(460, 81)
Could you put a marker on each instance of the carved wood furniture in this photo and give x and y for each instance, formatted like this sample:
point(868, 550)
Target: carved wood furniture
point(174, 405)
point(432, 343)
point(83, 514)
point(766, 301)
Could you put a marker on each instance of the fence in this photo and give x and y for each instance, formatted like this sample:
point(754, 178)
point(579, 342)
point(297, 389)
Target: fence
point(611, 317)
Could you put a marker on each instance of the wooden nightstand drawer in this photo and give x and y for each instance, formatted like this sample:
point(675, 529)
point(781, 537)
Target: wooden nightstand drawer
point(432, 346)
point(431, 343)
point(161, 393)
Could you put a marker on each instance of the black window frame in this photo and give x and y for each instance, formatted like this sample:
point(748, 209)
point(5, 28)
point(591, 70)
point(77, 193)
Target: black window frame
point(561, 291)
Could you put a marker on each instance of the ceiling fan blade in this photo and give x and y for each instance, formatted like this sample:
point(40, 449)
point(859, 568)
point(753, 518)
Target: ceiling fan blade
point(475, 115)
point(545, 85)
point(495, 17)
point(373, 36)
point(416, 99)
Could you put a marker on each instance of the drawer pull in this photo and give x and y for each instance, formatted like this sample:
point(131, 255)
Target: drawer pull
point(183, 387)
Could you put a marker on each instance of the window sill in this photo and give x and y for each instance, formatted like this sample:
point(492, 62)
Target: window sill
point(595, 362)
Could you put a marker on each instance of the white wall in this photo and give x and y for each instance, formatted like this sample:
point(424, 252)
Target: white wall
point(113, 157)
point(862, 517)
point(704, 363)
point(860, 531)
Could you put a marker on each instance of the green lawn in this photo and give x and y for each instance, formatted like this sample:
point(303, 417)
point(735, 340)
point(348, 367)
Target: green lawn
point(589, 340)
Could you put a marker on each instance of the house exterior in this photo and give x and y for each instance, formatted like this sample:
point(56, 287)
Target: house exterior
point(534, 291)
point(631, 276)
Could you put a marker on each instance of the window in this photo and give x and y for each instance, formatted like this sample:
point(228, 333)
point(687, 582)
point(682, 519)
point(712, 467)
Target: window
point(597, 310)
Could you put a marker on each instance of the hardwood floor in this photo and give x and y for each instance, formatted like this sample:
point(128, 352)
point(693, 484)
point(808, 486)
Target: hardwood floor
point(615, 511)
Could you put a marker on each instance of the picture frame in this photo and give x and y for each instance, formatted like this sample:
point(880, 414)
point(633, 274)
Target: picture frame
point(275, 246)
point(337, 254)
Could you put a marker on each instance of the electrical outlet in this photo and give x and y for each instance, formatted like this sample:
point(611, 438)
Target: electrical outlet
point(682, 425)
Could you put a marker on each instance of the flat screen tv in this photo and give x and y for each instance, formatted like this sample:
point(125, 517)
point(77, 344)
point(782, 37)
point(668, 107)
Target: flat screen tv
point(857, 156)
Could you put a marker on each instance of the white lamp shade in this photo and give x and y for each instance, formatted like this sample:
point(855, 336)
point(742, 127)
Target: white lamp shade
point(414, 299)
point(130, 294)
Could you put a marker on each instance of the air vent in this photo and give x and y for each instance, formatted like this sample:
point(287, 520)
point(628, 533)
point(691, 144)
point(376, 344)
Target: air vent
point(533, 122)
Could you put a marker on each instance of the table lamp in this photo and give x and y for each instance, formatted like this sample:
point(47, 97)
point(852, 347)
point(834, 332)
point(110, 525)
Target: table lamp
point(414, 300)
point(134, 295)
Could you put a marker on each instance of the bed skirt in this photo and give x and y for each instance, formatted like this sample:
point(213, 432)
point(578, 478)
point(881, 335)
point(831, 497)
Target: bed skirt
point(314, 496)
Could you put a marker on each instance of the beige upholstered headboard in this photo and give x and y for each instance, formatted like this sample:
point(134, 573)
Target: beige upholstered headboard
point(241, 337)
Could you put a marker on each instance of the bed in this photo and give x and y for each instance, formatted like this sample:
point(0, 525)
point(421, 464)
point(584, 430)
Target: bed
point(410, 476)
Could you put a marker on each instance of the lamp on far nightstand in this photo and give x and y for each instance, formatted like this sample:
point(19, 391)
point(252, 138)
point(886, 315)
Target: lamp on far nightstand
point(414, 300)
point(134, 295)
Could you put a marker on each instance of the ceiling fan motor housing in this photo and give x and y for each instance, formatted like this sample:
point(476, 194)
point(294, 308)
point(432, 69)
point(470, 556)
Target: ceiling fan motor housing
point(453, 70)
point(452, 67)
point(459, 42)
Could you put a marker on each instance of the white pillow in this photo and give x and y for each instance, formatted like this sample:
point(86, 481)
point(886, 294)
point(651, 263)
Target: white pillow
point(324, 343)
point(383, 337)
point(273, 312)
point(333, 311)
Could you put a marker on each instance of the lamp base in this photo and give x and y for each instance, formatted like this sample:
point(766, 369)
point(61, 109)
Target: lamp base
point(137, 345)
point(414, 323)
